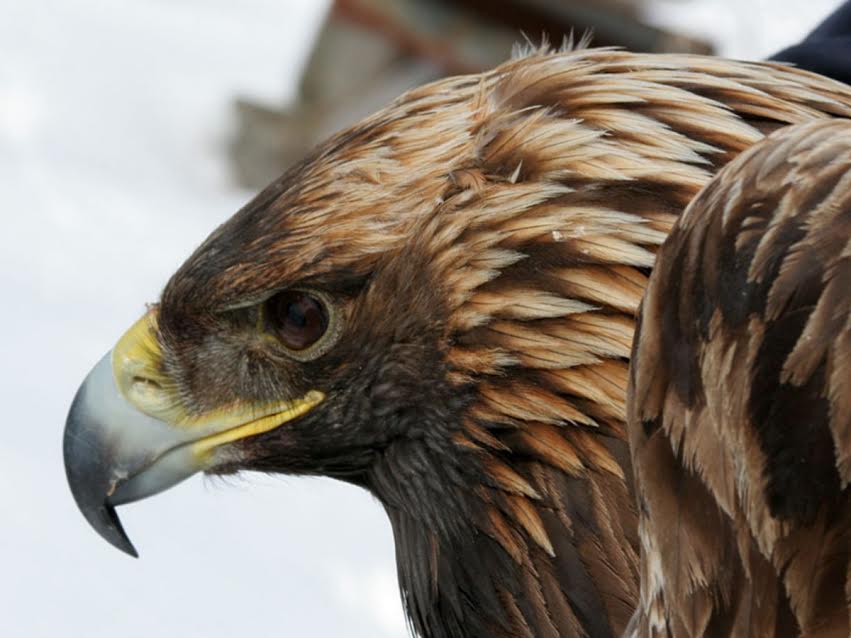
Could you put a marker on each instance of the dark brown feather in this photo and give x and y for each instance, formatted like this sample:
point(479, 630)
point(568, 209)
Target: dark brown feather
point(737, 411)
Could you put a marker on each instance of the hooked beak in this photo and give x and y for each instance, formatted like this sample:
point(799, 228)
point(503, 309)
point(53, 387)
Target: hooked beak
point(128, 436)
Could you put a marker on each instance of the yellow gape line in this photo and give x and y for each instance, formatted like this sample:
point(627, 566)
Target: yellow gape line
point(139, 377)
point(290, 410)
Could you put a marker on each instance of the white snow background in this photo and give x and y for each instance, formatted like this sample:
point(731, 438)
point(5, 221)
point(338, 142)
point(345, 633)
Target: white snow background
point(114, 116)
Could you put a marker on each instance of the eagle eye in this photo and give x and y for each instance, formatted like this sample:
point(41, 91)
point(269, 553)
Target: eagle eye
point(301, 320)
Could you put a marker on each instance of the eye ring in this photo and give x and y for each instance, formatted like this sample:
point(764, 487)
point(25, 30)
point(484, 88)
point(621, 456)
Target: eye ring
point(303, 321)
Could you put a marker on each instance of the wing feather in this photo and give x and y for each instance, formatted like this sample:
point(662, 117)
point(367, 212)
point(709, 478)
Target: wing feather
point(738, 399)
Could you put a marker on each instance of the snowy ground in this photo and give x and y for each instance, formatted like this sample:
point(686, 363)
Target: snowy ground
point(113, 118)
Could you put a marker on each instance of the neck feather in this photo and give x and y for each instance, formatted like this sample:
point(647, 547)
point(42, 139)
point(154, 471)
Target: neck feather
point(488, 549)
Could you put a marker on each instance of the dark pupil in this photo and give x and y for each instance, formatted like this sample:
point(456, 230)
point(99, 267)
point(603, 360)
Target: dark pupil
point(299, 318)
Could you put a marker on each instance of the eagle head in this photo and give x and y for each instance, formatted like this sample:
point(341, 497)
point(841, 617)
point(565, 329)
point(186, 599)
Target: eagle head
point(336, 325)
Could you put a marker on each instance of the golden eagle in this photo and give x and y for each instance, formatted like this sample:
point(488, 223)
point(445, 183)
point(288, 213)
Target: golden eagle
point(739, 409)
point(438, 305)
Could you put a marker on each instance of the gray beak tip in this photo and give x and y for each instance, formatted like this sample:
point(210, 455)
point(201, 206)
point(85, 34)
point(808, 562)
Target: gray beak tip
point(100, 514)
point(106, 522)
point(87, 468)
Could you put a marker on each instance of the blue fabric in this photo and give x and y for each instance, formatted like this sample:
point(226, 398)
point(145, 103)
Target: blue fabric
point(827, 50)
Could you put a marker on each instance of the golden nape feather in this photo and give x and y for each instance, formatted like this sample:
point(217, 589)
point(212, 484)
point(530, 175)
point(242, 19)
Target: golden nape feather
point(485, 242)
point(740, 404)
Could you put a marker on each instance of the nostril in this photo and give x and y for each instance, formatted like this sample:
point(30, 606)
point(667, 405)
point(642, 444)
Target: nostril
point(148, 394)
point(145, 383)
point(146, 390)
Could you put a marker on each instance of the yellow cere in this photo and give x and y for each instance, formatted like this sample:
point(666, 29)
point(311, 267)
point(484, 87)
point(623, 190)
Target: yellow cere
point(136, 368)
point(292, 410)
point(138, 347)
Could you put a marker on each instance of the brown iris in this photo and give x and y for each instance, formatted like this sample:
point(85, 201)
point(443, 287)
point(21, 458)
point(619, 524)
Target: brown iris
point(298, 318)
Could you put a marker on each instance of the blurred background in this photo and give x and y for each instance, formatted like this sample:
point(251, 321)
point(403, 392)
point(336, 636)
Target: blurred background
point(128, 131)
